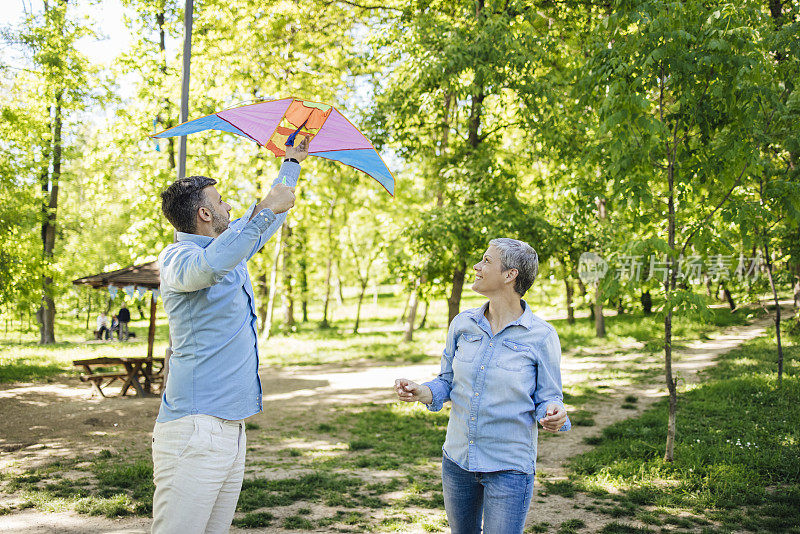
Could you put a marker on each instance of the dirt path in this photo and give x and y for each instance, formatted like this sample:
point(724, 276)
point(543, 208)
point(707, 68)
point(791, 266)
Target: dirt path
point(42, 422)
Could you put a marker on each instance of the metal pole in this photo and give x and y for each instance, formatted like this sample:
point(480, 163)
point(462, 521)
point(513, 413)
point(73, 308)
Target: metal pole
point(188, 14)
point(187, 60)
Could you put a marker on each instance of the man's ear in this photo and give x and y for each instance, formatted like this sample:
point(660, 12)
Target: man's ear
point(204, 214)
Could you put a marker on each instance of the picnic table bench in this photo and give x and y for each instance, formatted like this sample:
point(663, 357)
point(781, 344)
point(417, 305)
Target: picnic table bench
point(133, 370)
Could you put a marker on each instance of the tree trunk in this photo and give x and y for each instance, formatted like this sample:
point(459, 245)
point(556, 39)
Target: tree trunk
point(408, 334)
point(339, 290)
point(454, 300)
point(669, 287)
point(728, 298)
point(288, 296)
point(151, 330)
point(404, 315)
point(89, 311)
point(47, 312)
point(647, 303)
point(361, 293)
point(424, 315)
point(167, 106)
point(329, 267)
point(768, 261)
point(570, 292)
point(303, 281)
point(263, 291)
point(599, 319)
point(273, 286)
point(672, 387)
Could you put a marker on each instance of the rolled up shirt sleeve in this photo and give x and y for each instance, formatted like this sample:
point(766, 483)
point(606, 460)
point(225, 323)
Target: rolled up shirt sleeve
point(189, 268)
point(548, 379)
point(442, 385)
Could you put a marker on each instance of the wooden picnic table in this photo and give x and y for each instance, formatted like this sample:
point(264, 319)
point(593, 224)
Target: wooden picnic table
point(134, 369)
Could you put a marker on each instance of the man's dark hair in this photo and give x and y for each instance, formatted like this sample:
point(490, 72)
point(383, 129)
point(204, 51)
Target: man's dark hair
point(181, 200)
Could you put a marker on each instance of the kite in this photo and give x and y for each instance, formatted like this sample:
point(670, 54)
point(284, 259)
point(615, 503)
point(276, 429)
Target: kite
point(274, 124)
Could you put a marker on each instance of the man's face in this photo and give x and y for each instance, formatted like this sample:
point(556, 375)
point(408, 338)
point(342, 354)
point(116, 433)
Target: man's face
point(220, 210)
point(488, 272)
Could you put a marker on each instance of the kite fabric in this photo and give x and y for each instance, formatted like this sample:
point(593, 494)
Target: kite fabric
point(275, 123)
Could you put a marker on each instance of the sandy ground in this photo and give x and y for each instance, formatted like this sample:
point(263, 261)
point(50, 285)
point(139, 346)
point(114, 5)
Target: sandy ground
point(42, 422)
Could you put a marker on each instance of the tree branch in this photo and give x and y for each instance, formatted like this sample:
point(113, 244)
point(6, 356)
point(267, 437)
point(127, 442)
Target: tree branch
point(718, 206)
point(360, 6)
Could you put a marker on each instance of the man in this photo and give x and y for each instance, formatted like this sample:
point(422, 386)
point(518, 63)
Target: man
point(124, 317)
point(213, 385)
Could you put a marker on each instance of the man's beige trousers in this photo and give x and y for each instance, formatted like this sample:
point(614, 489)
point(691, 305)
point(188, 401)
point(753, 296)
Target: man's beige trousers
point(198, 467)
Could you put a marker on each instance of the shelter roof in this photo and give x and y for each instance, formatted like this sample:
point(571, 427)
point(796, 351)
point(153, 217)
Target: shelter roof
point(144, 275)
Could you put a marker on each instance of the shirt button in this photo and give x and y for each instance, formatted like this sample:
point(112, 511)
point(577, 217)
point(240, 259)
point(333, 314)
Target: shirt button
point(476, 394)
point(472, 418)
point(471, 442)
point(482, 367)
point(491, 344)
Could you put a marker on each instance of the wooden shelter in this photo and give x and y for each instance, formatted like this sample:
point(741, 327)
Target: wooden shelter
point(145, 275)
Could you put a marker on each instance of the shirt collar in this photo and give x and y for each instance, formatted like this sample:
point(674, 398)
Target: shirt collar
point(525, 320)
point(202, 240)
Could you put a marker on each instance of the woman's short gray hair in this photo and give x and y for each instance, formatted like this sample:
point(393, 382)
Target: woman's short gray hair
point(519, 255)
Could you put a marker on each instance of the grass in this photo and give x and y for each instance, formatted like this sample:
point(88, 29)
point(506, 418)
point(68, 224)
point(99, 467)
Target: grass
point(111, 486)
point(374, 456)
point(737, 454)
point(571, 526)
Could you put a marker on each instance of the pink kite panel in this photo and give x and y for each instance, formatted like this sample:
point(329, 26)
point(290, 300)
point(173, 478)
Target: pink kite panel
point(338, 134)
point(257, 120)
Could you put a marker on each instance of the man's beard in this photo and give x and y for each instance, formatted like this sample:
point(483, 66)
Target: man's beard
point(219, 222)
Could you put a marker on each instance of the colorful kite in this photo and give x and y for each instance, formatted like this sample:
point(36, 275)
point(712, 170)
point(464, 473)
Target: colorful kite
point(274, 124)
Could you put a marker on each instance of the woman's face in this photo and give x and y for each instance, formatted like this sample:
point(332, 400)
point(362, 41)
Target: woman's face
point(488, 273)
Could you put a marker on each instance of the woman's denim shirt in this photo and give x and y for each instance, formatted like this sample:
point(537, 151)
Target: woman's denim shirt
point(499, 387)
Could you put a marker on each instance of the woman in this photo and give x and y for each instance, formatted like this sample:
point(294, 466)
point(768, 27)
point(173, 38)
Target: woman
point(501, 372)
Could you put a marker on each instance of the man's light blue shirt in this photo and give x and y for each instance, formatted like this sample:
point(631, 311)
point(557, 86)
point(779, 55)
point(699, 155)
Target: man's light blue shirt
point(499, 386)
point(209, 300)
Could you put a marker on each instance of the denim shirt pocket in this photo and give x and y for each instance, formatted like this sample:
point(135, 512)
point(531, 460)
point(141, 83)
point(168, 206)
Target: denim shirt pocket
point(515, 357)
point(467, 347)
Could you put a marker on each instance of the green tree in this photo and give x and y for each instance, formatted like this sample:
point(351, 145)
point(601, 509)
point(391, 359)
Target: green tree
point(454, 71)
point(674, 85)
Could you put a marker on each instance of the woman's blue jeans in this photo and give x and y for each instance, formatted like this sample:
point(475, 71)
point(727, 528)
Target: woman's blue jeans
point(500, 498)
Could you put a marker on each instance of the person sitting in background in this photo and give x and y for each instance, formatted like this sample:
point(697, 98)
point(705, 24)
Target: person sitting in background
point(501, 372)
point(102, 327)
point(114, 325)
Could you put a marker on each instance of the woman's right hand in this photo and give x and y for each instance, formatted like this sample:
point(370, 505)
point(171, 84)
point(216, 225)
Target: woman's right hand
point(408, 391)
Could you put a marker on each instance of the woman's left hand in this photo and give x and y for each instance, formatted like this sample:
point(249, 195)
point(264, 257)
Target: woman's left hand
point(556, 417)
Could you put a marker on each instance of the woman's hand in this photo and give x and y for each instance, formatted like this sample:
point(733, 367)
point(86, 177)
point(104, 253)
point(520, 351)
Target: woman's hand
point(409, 391)
point(556, 417)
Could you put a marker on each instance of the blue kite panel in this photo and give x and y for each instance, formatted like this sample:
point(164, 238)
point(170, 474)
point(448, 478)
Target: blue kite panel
point(367, 160)
point(211, 122)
